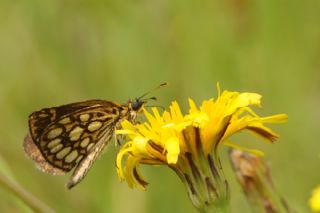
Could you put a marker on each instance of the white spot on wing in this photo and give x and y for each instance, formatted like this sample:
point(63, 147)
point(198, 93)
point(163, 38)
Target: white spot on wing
point(75, 133)
point(63, 152)
point(85, 142)
point(53, 143)
point(56, 148)
point(54, 133)
point(84, 117)
point(95, 125)
point(65, 120)
point(70, 157)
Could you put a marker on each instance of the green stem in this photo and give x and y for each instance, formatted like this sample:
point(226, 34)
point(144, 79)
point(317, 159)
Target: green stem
point(29, 199)
point(217, 207)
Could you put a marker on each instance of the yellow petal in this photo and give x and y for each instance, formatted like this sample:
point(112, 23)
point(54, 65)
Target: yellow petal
point(176, 114)
point(279, 118)
point(139, 145)
point(173, 150)
point(218, 89)
point(246, 99)
point(124, 132)
point(166, 117)
point(263, 131)
point(193, 107)
point(123, 151)
point(132, 174)
point(168, 125)
point(156, 113)
point(252, 151)
point(314, 201)
point(243, 100)
point(152, 120)
point(127, 125)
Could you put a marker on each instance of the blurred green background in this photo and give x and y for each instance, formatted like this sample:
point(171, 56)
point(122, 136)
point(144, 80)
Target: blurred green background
point(56, 52)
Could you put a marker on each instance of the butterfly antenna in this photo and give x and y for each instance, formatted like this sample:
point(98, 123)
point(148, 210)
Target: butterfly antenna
point(161, 107)
point(152, 98)
point(149, 99)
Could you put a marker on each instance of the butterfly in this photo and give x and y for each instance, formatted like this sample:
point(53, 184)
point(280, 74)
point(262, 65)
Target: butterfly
point(72, 136)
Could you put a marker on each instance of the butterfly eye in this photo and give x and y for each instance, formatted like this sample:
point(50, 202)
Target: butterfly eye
point(136, 105)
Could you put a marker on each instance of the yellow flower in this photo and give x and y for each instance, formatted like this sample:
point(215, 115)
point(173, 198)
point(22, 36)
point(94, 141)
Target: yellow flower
point(314, 201)
point(188, 143)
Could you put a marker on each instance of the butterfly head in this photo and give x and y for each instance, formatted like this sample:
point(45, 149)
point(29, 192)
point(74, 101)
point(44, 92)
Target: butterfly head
point(137, 104)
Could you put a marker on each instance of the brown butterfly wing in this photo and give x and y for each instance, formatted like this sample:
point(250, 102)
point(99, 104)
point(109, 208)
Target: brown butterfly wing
point(64, 135)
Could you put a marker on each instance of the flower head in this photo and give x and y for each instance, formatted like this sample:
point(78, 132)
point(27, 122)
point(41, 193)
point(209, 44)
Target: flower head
point(188, 143)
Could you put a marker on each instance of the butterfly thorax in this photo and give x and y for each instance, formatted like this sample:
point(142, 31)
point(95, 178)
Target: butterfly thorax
point(131, 109)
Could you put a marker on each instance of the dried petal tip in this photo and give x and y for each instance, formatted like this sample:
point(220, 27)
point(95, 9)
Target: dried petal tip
point(254, 176)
